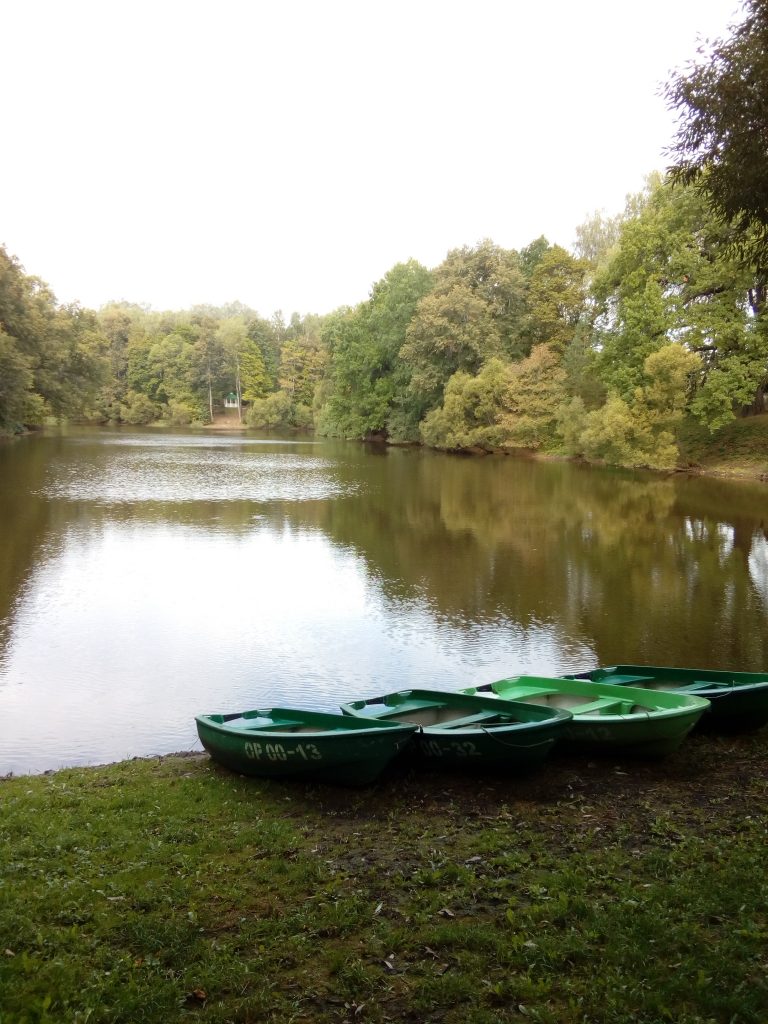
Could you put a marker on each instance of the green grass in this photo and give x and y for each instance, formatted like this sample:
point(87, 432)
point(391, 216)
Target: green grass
point(169, 890)
point(739, 449)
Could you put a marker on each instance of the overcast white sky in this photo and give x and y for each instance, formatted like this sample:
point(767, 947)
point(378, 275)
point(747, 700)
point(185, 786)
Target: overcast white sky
point(288, 154)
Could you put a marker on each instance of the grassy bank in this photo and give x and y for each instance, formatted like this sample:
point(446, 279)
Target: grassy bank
point(738, 449)
point(169, 890)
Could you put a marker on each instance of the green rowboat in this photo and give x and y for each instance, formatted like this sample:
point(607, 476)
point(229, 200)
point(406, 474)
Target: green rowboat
point(738, 700)
point(308, 745)
point(470, 732)
point(607, 717)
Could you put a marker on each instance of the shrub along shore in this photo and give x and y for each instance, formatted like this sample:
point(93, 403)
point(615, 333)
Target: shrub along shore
point(169, 889)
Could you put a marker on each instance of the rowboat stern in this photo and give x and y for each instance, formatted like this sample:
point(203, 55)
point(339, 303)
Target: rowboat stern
point(310, 746)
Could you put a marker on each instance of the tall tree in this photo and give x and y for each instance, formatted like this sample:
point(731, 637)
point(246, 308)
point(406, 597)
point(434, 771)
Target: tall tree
point(51, 355)
point(302, 362)
point(365, 374)
point(75, 361)
point(722, 103)
point(531, 254)
point(474, 313)
point(262, 333)
point(453, 329)
point(210, 358)
point(16, 382)
point(671, 277)
point(596, 236)
point(253, 372)
point(116, 322)
point(496, 277)
point(556, 298)
point(232, 335)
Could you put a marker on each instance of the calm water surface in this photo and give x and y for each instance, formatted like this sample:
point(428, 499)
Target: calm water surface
point(146, 577)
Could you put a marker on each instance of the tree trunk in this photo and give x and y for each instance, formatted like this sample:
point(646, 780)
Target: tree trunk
point(760, 402)
point(210, 386)
point(757, 297)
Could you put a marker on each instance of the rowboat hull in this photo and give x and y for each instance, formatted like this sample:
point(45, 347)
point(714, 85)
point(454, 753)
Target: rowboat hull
point(610, 718)
point(282, 743)
point(738, 700)
point(477, 733)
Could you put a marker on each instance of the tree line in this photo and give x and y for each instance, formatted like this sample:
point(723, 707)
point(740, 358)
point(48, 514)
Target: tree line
point(656, 316)
point(602, 352)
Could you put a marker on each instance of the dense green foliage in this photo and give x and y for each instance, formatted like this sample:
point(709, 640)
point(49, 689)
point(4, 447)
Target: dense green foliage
point(51, 356)
point(722, 102)
point(127, 364)
point(606, 354)
point(719, 149)
point(366, 387)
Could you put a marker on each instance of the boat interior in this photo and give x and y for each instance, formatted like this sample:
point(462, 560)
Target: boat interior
point(437, 716)
point(270, 725)
point(670, 684)
point(486, 720)
point(429, 715)
point(549, 698)
point(665, 683)
point(580, 704)
point(253, 721)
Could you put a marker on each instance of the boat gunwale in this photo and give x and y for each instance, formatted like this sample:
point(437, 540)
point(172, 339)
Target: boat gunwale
point(686, 704)
point(718, 682)
point(434, 698)
point(370, 727)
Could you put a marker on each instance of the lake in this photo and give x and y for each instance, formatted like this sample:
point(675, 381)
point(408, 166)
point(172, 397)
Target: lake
point(147, 576)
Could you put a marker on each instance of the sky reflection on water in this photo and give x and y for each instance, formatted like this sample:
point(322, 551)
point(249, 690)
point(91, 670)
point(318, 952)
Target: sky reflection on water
point(126, 634)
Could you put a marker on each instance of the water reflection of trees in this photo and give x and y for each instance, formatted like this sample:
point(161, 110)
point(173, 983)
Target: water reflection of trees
point(635, 566)
point(612, 558)
point(24, 520)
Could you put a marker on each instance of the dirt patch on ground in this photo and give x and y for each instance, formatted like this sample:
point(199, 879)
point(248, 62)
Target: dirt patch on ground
point(710, 777)
point(223, 422)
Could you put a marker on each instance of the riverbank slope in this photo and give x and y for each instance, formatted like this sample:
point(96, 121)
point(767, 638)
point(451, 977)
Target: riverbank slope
point(738, 449)
point(166, 889)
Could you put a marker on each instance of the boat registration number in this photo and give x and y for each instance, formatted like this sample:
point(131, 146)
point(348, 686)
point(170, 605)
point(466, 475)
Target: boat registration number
point(460, 748)
point(277, 752)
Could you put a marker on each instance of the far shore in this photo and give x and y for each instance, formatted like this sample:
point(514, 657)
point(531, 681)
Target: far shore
point(737, 471)
point(752, 466)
